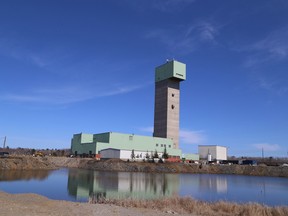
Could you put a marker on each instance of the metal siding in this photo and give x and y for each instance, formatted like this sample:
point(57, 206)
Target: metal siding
point(122, 141)
point(221, 153)
point(82, 144)
point(205, 150)
point(110, 153)
point(191, 156)
point(171, 69)
point(125, 154)
point(217, 152)
point(179, 70)
point(103, 137)
point(86, 138)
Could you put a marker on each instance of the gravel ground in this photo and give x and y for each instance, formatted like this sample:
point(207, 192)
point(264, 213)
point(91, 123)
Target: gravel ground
point(36, 205)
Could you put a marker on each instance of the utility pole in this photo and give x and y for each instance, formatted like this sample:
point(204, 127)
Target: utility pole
point(4, 143)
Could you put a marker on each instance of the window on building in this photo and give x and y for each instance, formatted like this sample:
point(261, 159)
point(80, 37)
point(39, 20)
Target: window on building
point(164, 145)
point(157, 144)
point(130, 138)
point(161, 145)
point(172, 106)
point(169, 146)
point(172, 95)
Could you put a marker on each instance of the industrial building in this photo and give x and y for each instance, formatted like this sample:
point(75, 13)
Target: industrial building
point(119, 145)
point(212, 152)
point(166, 124)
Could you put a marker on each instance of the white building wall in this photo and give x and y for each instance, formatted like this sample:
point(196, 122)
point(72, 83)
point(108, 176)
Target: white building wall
point(217, 152)
point(221, 153)
point(125, 154)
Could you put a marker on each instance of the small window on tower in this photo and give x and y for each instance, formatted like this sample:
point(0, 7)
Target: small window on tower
point(172, 95)
point(172, 106)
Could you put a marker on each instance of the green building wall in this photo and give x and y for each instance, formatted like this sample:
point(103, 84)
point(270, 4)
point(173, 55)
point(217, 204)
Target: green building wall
point(94, 143)
point(192, 157)
point(169, 70)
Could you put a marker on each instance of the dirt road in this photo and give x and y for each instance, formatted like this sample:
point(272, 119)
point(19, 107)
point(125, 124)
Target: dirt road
point(36, 205)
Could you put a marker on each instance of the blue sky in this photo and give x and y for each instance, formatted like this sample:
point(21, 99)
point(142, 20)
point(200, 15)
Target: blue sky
point(71, 66)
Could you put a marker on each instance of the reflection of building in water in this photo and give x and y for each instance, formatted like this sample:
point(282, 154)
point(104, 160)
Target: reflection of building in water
point(83, 183)
point(213, 183)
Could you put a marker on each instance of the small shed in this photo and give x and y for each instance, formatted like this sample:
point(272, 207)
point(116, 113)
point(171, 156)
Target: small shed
point(110, 153)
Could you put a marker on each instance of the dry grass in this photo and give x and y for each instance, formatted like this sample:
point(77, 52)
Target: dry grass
point(187, 205)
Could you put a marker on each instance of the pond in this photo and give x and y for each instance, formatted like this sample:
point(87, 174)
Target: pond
point(79, 184)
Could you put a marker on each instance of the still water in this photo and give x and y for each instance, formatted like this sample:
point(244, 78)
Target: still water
point(79, 184)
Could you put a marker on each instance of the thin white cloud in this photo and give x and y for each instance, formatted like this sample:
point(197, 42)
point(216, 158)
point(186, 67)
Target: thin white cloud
point(206, 31)
point(66, 95)
point(54, 96)
point(270, 50)
point(275, 44)
point(274, 47)
point(267, 147)
point(275, 83)
point(120, 90)
point(13, 49)
point(185, 40)
point(192, 137)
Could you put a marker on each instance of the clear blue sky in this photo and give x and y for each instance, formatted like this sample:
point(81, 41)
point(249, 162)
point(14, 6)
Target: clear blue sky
point(71, 66)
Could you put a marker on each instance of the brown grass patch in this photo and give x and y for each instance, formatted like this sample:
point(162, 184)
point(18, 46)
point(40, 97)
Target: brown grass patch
point(179, 205)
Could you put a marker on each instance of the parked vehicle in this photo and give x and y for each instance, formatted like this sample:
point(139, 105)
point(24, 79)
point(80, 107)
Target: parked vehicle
point(4, 154)
point(249, 162)
point(38, 154)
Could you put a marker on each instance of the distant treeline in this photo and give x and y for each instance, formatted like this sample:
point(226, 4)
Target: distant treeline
point(29, 151)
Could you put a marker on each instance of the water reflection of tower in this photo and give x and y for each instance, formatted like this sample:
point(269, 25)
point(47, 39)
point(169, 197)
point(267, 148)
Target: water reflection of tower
point(213, 183)
point(85, 183)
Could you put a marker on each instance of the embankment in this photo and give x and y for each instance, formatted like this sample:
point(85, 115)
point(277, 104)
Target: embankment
point(29, 163)
point(26, 163)
point(118, 165)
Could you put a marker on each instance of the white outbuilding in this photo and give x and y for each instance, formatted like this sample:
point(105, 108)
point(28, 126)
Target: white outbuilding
point(125, 154)
point(212, 152)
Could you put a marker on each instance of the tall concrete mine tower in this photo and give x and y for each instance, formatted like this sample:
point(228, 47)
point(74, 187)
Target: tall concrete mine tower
point(167, 100)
